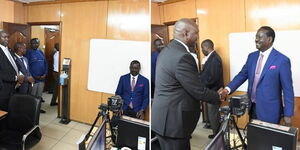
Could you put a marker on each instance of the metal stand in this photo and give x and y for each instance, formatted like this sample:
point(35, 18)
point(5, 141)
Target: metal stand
point(105, 118)
point(65, 105)
point(230, 120)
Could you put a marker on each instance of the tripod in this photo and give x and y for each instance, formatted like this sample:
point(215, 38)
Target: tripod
point(105, 118)
point(225, 127)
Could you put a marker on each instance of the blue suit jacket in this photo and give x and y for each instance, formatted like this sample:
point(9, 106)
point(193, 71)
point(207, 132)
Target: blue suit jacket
point(23, 89)
point(275, 79)
point(140, 95)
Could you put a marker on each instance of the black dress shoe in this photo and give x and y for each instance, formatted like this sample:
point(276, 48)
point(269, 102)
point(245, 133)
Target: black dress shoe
point(42, 111)
point(211, 136)
point(53, 104)
point(207, 126)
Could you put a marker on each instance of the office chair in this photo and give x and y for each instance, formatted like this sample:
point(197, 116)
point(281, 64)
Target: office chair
point(21, 130)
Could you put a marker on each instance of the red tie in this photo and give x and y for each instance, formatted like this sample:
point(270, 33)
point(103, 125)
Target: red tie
point(256, 78)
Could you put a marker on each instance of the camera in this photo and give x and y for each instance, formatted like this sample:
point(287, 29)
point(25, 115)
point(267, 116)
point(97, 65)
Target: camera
point(114, 104)
point(237, 106)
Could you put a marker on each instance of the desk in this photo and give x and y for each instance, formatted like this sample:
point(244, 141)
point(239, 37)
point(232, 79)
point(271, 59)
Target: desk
point(2, 114)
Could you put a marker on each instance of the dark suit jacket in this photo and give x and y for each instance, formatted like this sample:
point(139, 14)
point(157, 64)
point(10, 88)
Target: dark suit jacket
point(175, 109)
point(8, 76)
point(23, 89)
point(139, 96)
point(212, 72)
point(274, 83)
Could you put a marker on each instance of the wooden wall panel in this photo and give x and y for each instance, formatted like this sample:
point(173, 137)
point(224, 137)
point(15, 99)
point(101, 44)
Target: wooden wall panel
point(155, 13)
point(279, 14)
point(182, 9)
point(7, 11)
point(19, 13)
point(78, 27)
point(128, 20)
point(44, 13)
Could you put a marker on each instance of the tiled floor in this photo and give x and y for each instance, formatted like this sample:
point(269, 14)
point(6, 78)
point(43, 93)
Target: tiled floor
point(57, 136)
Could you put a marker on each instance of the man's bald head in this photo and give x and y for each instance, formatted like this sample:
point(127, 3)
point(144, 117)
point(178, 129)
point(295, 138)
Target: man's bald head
point(186, 30)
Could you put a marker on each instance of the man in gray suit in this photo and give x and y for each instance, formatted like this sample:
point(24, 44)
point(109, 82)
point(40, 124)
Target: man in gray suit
point(175, 109)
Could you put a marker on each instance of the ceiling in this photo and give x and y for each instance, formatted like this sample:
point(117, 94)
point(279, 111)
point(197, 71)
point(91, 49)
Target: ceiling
point(29, 1)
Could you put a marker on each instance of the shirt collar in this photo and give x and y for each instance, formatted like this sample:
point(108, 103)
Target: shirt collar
point(136, 77)
point(267, 52)
point(3, 47)
point(18, 56)
point(209, 54)
point(186, 47)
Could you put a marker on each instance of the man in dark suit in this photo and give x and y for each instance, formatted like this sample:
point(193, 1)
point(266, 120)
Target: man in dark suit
point(269, 79)
point(178, 92)
point(22, 62)
point(212, 77)
point(9, 72)
point(134, 90)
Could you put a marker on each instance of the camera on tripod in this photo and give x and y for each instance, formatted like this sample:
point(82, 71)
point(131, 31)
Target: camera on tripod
point(237, 106)
point(114, 104)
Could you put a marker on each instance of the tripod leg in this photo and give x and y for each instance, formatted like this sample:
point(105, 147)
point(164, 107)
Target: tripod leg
point(89, 133)
point(239, 133)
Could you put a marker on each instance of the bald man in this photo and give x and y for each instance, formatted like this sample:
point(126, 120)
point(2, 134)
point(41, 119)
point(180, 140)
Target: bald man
point(175, 109)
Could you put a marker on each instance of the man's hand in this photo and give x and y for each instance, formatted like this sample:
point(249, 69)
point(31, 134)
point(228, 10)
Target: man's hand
point(43, 77)
point(17, 85)
point(20, 79)
point(30, 79)
point(287, 121)
point(223, 93)
point(140, 114)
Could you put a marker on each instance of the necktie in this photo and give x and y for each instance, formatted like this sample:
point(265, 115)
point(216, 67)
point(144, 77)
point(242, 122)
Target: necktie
point(132, 84)
point(256, 78)
point(132, 89)
point(22, 60)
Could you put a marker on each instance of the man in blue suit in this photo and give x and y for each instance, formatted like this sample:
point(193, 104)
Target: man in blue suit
point(22, 63)
point(269, 75)
point(134, 90)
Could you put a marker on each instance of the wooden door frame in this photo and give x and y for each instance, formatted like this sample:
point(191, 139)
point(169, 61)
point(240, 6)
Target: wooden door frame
point(59, 23)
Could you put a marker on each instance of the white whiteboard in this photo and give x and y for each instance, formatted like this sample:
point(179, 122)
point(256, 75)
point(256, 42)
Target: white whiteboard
point(110, 59)
point(286, 42)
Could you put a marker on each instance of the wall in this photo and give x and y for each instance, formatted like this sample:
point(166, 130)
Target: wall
point(82, 21)
point(218, 18)
point(13, 12)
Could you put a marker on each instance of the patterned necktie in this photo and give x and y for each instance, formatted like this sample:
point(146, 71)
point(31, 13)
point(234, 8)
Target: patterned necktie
point(132, 89)
point(256, 78)
point(132, 84)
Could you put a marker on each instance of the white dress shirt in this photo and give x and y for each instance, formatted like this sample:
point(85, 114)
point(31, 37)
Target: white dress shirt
point(55, 61)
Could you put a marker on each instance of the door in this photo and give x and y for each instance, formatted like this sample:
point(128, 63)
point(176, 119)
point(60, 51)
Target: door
point(52, 36)
point(17, 33)
point(159, 31)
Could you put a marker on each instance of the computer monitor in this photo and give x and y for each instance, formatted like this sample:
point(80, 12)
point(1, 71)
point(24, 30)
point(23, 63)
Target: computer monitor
point(263, 135)
point(98, 141)
point(133, 133)
point(217, 142)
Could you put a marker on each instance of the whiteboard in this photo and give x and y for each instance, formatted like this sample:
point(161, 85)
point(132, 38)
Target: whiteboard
point(286, 42)
point(110, 59)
